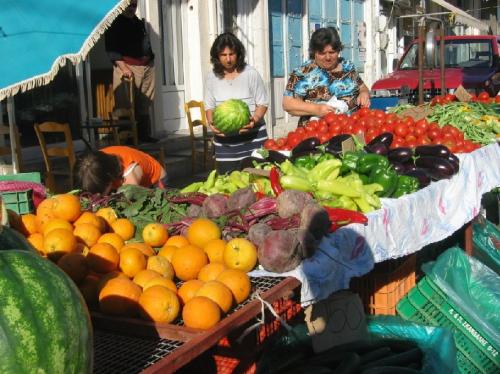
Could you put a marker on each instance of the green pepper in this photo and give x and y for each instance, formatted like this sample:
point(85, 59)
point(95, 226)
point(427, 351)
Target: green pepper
point(305, 162)
point(386, 177)
point(406, 185)
point(350, 160)
point(370, 161)
point(325, 156)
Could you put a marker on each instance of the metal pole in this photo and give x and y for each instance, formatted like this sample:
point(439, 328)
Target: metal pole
point(12, 134)
point(421, 36)
point(441, 58)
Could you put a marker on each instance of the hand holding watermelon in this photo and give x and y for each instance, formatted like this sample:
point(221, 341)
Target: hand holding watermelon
point(230, 117)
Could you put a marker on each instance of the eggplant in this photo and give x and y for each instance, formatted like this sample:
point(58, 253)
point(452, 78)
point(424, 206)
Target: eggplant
point(275, 156)
point(398, 167)
point(384, 138)
point(455, 162)
point(247, 162)
point(409, 166)
point(334, 145)
point(437, 167)
point(423, 179)
point(378, 148)
point(308, 144)
point(436, 150)
point(400, 154)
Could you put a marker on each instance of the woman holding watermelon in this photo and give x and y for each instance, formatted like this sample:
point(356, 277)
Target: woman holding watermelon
point(324, 76)
point(236, 102)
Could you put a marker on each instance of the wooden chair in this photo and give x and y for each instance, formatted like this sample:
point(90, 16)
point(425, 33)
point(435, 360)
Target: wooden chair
point(124, 118)
point(204, 139)
point(6, 150)
point(50, 152)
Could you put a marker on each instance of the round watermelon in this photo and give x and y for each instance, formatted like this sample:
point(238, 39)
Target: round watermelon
point(230, 116)
point(44, 323)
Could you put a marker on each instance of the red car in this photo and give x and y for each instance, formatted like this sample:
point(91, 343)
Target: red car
point(470, 61)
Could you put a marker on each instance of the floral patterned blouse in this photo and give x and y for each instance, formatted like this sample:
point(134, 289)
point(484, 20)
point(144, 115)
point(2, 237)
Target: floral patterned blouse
point(314, 84)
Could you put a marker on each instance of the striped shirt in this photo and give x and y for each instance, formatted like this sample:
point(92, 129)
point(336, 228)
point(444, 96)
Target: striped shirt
point(249, 87)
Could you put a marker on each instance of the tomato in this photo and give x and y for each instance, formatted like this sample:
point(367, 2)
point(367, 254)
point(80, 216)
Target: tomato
point(379, 114)
point(358, 129)
point(433, 133)
point(497, 98)
point(401, 130)
point(385, 128)
point(330, 118)
point(363, 112)
point(293, 139)
point(324, 137)
point(484, 96)
point(411, 143)
point(410, 138)
point(418, 131)
point(312, 124)
point(398, 142)
point(322, 122)
point(423, 140)
point(468, 146)
point(300, 131)
point(269, 143)
point(355, 116)
point(322, 128)
point(335, 127)
point(408, 121)
point(449, 98)
point(422, 124)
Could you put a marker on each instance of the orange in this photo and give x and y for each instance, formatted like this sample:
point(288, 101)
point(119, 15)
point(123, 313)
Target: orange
point(188, 289)
point(56, 223)
point(201, 231)
point(120, 297)
point(36, 240)
point(161, 265)
point(112, 238)
point(67, 207)
point(103, 280)
point(89, 217)
point(240, 254)
point(168, 252)
point(132, 261)
point(159, 304)
point(123, 227)
point(146, 249)
point(27, 224)
point(215, 250)
point(200, 313)
point(211, 271)
point(144, 276)
point(218, 293)
point(75, 265)
point(238, 282)
point(161, 281)
point(177, 241)
point(42, 219)
point(88, 288)
point(154, 234)
point(108, 214)
point(87, 233)
point(59, 242)
point(188, 261)
point(45, 207)
point(103, 258)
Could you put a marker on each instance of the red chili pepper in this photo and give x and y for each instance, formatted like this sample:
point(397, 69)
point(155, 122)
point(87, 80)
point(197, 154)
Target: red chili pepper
point(259, 195)
point(274, 178)
point(341, 217)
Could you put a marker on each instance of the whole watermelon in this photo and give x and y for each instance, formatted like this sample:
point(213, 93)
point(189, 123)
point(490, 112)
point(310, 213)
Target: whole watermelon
point(230, 116)
point(44, 322)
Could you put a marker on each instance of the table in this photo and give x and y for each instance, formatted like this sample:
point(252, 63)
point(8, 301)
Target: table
point(96, 124)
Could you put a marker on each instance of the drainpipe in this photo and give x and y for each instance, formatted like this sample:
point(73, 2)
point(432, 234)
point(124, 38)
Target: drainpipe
point(421, 36)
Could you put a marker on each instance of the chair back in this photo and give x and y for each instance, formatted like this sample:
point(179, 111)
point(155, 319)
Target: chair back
point(124, 118)
point(66, 150)
point(6, 150)
point(197, 122)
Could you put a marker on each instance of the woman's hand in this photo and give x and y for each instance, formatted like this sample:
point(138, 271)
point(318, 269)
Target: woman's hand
point(247, 127)
point(363, 99)
point(215, 130)
point(322, 109)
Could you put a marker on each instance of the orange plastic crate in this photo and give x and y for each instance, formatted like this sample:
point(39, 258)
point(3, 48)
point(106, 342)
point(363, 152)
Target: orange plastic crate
point(382, 288)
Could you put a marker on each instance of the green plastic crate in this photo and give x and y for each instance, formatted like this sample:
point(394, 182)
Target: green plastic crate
point(427, 304)
point(20, 202)
point(22, 177)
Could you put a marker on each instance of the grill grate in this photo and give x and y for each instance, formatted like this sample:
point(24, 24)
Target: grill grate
point(114, 353)
point(117, 353)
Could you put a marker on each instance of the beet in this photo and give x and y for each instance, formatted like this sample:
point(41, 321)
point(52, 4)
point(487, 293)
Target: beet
point(215, 205)
point(257, 233)
point(307, 242)
point(291, 202)
point(314, 219)
point(241, 199)
point(280, 251)
point(194, 211)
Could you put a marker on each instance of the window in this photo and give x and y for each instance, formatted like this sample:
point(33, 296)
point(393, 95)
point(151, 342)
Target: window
point(171, 28)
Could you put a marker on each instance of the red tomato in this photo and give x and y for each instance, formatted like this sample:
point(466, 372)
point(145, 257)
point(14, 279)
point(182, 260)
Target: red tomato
point(281, 142)
point(450, 98)
point(418, 131)
point(322, 122)
point(323, 127)
point(363, 112)
point(355, 116)
point(401, 130)
point(269, 143)
point(410, 138)
point(358, 129)
point(411, 143)
point(324, 137)
point(484, 96)
point(433, 133)
point(312, 124)
point(330, 118)
point(300, 131)
point(335, 127)
point(385, 128)
point(423, 140)
point(422, 124)
point(468, 146)
point(408, 121)
point(497, 98)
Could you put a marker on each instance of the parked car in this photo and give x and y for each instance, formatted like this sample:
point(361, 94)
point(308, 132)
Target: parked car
point(471, 61)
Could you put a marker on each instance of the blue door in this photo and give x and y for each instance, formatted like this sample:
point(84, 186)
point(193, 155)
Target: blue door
point(315, 11)
point(346, 28)
point(330, 7)
point(359, 55)
point(294, 18)
point(276, 39)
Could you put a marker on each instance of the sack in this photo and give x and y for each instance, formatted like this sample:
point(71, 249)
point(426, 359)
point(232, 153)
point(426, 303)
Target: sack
point(486, 239)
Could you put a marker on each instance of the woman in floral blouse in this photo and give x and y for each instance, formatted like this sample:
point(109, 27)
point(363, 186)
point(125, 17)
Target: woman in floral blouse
point(325, 75)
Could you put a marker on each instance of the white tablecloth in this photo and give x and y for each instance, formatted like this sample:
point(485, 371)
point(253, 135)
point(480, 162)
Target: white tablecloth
point(402, 226)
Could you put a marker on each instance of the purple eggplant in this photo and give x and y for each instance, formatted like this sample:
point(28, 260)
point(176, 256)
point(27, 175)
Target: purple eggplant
point(436, 150)
point(275, 156)
point(455, 162)
point(308, 144)
point(436, 167)
point(400, 154)
point(423, 179)
point(409, 166)
point(398, 167)
point(378, 148)
point(334, 145)
point(384, 138)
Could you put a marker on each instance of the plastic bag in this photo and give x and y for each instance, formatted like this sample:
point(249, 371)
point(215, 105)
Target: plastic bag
point(484, 232)
point(436, 343)
point(472, 287)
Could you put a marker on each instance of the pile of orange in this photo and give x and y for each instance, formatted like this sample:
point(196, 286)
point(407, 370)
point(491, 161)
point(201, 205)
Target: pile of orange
point(126, 278)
